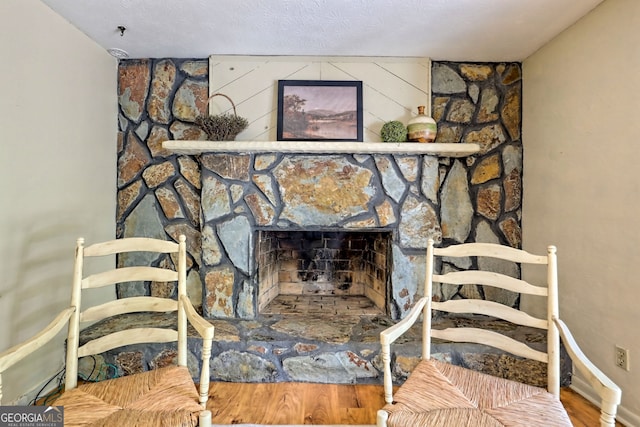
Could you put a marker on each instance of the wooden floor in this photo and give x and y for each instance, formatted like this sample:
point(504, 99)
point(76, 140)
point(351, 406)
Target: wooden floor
point(303, 403)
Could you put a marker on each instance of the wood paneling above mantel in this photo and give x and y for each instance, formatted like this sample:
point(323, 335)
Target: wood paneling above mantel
point(321, 147)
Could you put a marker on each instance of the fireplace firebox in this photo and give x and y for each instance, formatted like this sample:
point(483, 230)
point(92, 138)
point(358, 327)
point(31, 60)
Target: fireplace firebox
point(313, 271)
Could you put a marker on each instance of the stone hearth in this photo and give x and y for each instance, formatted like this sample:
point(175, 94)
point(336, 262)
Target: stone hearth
point(322, 305)
point(313, 348)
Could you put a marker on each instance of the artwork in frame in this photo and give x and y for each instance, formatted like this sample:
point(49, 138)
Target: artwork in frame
point(319, 110)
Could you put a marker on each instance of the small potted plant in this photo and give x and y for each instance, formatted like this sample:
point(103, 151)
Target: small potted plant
point(393, 131)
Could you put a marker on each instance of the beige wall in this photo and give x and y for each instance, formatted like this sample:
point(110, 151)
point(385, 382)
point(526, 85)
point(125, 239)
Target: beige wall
point(581, 102)
point(58, 115)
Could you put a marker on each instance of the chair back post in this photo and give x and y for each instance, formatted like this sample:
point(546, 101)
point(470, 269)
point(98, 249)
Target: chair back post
point(553, 337)
point(426, 313)
point(73, 334)
point(182, 290)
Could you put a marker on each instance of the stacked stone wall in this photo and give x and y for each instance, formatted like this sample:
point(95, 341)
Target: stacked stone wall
point(481, 195)
point(158, 191)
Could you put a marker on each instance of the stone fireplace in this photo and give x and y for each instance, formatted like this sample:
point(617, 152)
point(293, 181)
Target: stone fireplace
point(315, 225)
point(224, 202)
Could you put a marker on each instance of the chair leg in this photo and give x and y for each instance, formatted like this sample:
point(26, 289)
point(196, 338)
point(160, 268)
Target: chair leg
point(381, 420)
point(608, 414)
point(205, 419)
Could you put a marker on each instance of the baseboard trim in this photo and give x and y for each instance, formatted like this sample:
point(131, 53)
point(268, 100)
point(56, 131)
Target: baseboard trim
point(584, 389)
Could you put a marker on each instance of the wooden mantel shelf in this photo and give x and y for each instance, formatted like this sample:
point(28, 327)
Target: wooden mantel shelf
point(321, 147)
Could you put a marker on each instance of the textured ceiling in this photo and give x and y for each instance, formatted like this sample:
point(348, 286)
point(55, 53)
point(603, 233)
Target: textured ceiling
point(456, 30)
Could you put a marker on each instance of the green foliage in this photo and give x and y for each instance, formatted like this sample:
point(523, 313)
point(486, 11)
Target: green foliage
point(393, 131)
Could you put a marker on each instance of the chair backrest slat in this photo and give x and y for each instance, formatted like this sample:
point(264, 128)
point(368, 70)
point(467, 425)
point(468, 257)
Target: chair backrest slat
point(131, 305)
point(130, 336)
point(490, 338)
point(130, 244)
point(490, 308)
point(129, 274)
point(491, 250)
point(490, 278)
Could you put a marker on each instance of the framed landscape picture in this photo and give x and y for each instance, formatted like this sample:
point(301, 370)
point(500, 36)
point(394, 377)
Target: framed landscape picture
point(319, 110)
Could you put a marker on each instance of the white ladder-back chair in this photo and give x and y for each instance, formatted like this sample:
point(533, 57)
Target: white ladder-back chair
point(162, 396)
point(439, 393)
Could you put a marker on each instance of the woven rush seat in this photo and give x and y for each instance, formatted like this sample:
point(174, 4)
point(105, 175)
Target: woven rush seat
point(161, 397)
point(441, 394)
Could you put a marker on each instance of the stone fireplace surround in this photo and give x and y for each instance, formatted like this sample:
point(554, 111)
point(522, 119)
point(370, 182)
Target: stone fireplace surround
point(242, 193)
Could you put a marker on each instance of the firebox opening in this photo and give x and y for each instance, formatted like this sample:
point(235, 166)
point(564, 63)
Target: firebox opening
point(334, 272)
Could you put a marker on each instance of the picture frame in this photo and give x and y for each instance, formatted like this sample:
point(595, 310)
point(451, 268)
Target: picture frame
point(319, 110)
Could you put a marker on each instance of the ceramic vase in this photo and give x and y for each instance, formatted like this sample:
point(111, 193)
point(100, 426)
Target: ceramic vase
point(422, 128)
